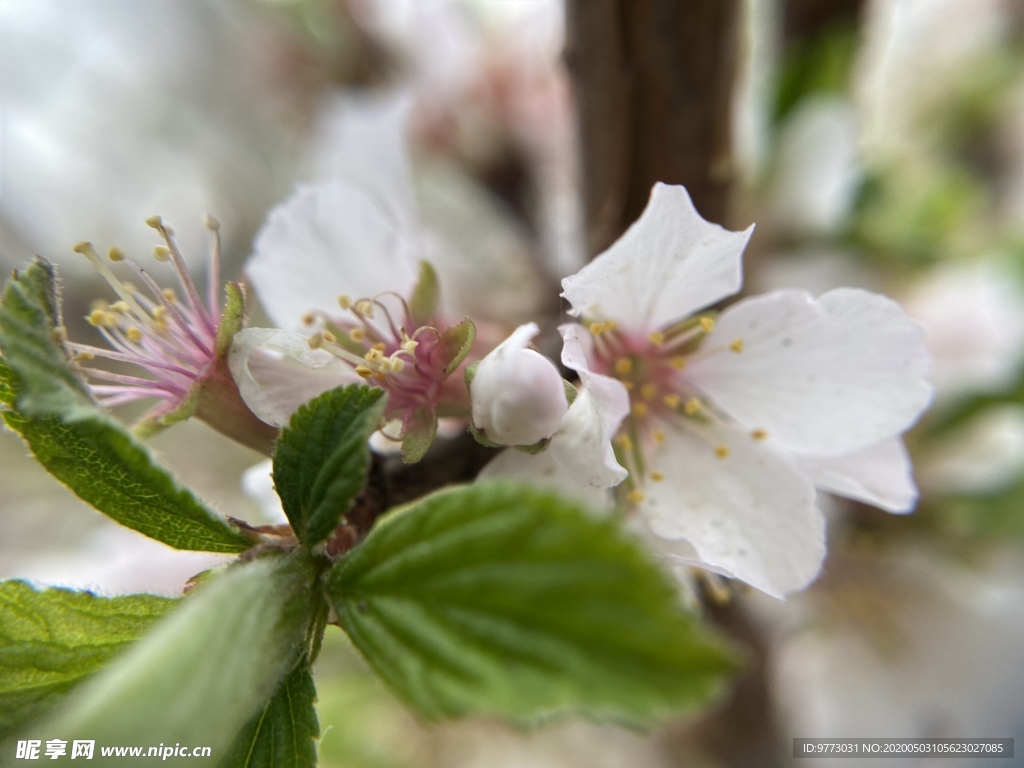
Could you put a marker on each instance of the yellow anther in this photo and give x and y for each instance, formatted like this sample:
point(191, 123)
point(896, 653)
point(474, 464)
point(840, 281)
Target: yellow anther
point(308, 319)
point(640, 410)
point(211, 223)
point(115, 254)
point(722, 451)
point(623, 366)
point(155, 222)
point(330, 338)
point(658, 436)
point(385, 365)
point(315, 340)
point(692, 406)
point(678, 362)
point(635, 496)
point(344, 302)
point(759, 434)
point(83, 248)
point(602, 327)
point(82, 357)
point(364, 307)
point(625, 442)
point(134, 335)
point(649, 391)
point(409, 345)
point(657, 338)
point(707, 324)
point(737, 346)
point(373, 355)
point(161, 252)
point(170, 295)
point(657, 477)
point(122, 308)
point(357, 335)
point(380, 346)
point(160, 315)
point(98, 317)
point(130, 287)
point(380, 375)
point(397, 364)
point(671, 400)
point(364, 371)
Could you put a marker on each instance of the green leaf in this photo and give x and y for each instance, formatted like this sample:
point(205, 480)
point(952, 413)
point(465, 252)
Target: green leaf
point(52, 639)
point(425, 295)
point(108, 468)
point(30, 339)
point(322, 458)
point(509, 600)
point(204, 671)
point(284, 733)
point(77, 442)
point(456, 342)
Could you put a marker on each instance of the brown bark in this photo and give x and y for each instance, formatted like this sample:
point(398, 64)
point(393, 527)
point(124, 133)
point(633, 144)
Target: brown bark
point(653, 82)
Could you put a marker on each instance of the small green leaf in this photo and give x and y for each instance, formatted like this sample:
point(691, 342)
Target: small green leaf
point(30, 339)
point(420, 430)
point(76, 442)
point(510, 600)
point(52, 639)
point(284, 733)
point(205, 670)
point(322, 458)
point(425, 296)
point(456, 342)
point(105, 466)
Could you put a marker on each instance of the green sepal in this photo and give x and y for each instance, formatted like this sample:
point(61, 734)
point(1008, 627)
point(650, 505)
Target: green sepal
point(205, 671)
point(470, 373)
point(284, 733)
point(571, 393)
point(509, 600)
point(53, 639)
point(418, 432)
point(323, 456)
point(232, 318)
point(456, 343)
point(539, 447)
point(425, 295)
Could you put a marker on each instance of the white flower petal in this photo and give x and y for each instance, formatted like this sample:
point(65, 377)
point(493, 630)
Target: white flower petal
point(277, 371)
point(823, 377)
point(751, 514)
point(544, 471)
point(583, 444)
point(361, 139)
point(879, 475)
point(327, 240)
point(518, 395)
point(669, 264)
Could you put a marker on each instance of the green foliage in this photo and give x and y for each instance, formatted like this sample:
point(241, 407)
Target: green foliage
point(30, 339)
point(284, 733)
point(76, 442)
point(207, 669)
point(425, 295)
point(322, 458)
point(819, 65)
point(503, 599)
point(52, 639)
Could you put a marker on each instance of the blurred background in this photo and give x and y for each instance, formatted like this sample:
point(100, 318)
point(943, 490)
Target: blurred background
point(876, 143)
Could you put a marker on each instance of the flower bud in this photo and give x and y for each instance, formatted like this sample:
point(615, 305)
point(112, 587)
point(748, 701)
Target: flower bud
point(518, 394)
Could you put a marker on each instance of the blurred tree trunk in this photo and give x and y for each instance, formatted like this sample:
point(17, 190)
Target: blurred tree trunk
point(653, 82)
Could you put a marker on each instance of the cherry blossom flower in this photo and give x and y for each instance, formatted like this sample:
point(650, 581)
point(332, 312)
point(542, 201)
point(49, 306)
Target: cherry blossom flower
point(180, 344)
point(735, 418)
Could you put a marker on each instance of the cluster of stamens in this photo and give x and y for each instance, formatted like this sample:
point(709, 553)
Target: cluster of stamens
point(374, 337)
point(172, 340)
point(652, 369)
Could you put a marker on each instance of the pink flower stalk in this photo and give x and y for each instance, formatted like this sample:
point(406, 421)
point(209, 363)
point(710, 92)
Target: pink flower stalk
point(180, 344)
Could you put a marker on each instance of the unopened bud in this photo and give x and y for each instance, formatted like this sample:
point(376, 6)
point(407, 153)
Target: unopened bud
point(518, 395)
